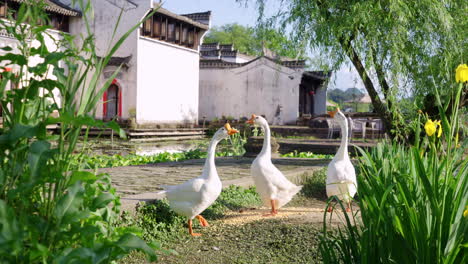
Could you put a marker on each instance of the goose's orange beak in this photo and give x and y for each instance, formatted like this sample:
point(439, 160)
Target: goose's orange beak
point(231, 131)
point(251, 120)
point(332, 113)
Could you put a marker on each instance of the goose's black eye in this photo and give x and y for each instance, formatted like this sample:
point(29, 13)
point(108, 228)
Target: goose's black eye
point(256, 117)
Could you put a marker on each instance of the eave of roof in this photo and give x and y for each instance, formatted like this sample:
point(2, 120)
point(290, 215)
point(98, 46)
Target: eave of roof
point(56, 6)
point(220, 64)
point(317, 75)
point(182, 18)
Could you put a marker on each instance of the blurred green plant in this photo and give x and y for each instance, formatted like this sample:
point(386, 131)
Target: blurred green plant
point(51, 211)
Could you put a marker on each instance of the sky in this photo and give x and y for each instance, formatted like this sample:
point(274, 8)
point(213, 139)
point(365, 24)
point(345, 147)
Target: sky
point(229, 11)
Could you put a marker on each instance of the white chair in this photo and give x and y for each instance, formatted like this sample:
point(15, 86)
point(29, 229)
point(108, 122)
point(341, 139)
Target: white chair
point(350, 128)
point(377, 126)
point(357, 125)
point(332, 127)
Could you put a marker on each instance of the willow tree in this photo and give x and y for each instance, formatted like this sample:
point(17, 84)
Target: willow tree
point(395, 46)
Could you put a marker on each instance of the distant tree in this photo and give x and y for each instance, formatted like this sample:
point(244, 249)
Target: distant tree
point(252, 41)
point(242, 37)
point(340, 96)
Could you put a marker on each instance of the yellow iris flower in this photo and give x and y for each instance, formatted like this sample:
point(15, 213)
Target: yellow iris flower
point(461, 74)
point(439, 130)
point(430, 127)
point(465, 213)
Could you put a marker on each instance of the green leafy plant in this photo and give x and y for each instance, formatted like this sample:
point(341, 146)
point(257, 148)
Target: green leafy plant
point(50, 209)
point(157, 221)
point(313, 185)
point(412, 199)
point(309, 155)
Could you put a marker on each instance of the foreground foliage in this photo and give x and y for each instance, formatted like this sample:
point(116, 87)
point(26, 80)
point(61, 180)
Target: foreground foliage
point(412, 200)
point(51, 211)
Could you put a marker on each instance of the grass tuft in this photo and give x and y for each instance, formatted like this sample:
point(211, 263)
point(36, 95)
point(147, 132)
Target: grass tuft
point(233, 198)
point(314, 184)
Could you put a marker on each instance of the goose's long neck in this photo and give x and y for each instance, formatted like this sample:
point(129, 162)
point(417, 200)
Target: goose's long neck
point(210, 159)
point(266, 149)
point(343, 150)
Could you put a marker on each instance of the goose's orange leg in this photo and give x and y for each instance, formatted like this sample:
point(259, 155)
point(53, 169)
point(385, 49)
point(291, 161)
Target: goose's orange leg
point(348, 209)
point(191, 230)
point(273, 209)
point(202, 220)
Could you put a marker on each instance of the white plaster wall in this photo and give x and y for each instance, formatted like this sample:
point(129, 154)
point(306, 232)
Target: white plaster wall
point(50, 39)
point(167, 83)
point(102, 25)
point(256, 88)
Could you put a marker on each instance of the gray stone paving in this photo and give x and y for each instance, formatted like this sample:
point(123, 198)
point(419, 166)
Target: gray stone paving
point(141, 183)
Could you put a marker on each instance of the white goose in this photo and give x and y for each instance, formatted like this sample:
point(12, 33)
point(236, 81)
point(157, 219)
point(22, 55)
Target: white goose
point(192, 197)
point(341, 177)
point(273, 187)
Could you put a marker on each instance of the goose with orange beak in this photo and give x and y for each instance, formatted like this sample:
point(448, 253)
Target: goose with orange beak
point(341, 176)
point(192, 197)
point(274, 188)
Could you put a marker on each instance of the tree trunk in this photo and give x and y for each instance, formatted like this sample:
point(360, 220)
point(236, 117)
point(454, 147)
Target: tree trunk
point(379, 107)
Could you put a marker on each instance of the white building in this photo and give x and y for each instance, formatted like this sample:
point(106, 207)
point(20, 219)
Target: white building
point(158, 82)
point(235, 85)
point(59, 16)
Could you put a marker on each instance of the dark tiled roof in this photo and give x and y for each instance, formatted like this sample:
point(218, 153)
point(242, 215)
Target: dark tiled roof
point(202, 17)
point(317, 75)
point(220, 64)
point(226, 47)
point(182, 18)
point(209, 46)
point(58, 7)
point(294, 64)
point(117, 61)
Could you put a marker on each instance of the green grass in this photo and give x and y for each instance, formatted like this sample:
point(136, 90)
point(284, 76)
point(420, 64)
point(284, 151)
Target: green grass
point(314, 184)
point(264, 241)
point(233, 198)
point(159, 222)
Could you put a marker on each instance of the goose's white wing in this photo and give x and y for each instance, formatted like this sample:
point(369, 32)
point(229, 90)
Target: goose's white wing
point(187, 191)
point(341, 171)
point(274, 176)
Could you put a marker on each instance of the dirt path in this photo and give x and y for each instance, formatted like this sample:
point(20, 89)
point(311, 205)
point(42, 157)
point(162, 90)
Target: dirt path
point(313, 213)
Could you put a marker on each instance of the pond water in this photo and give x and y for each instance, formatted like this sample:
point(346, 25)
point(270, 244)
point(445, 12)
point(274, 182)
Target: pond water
point(121, 147)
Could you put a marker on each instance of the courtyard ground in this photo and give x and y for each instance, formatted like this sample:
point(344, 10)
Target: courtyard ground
point(242, 236)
